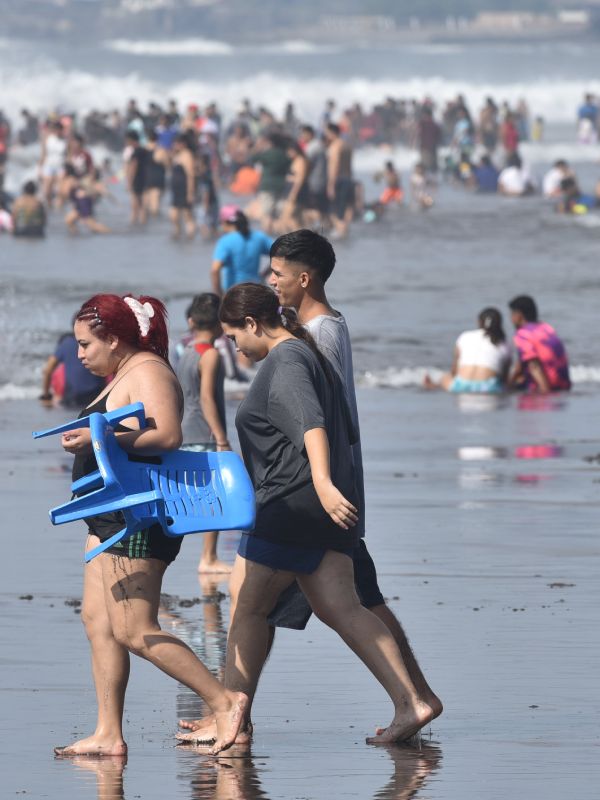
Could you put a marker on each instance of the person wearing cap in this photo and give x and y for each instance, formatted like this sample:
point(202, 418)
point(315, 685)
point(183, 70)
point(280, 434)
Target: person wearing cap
point(237, 254)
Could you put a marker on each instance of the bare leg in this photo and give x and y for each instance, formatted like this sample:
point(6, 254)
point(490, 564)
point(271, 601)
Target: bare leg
point(132, 593)
point(209, 563)
point(254, 592)
point(138, 210)
point(425, 692)
point(71, 221)
point(443, 383)
point(175, 218)
point(110, 667)
point(332, 595)
point(190, 223)
point(95, 226)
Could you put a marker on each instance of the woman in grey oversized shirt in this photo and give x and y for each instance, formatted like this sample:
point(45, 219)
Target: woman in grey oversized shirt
point(296, 433)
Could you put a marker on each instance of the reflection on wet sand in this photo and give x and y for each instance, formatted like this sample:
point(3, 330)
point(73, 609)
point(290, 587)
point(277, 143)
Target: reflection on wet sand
point(474, 476)
point(413, 766)
point(475, 403)
point(235, 775)
point(109, 774)
point(206, 634)
point(231, 776)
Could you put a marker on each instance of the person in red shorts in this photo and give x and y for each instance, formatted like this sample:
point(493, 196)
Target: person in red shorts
point(542, 364)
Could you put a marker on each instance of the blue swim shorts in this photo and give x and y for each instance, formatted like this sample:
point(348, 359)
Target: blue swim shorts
point(465, 386)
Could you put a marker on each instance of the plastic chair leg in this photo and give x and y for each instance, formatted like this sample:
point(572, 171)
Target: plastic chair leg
point(99, 503)
point(117, 537)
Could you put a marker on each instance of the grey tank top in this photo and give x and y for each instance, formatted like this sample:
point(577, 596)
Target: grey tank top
point(194, 426)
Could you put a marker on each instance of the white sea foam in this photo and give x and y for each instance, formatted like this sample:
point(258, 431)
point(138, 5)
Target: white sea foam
point(11, 391)
point(43, 85)
point(174, 47)
point(401, 377)
point(390, 378)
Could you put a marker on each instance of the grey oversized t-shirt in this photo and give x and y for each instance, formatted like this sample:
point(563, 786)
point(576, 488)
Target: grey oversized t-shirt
point(332, 337)
point(289, 396)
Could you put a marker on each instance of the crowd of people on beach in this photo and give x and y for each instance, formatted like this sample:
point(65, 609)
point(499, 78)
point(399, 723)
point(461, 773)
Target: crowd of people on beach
point(286, 171)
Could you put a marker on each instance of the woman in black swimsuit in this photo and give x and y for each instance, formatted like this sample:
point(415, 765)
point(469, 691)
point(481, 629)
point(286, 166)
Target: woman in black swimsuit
point(127, 338)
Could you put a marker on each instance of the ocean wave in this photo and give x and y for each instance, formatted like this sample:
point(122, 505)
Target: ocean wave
point(370, 159)
point(210, 47)
point(389, 378)
point(45, 86)
point(12, 391)
point(171, 47)
point(401, 377)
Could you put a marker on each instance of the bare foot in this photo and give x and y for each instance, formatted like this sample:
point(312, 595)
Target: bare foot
point(95, 745)
point(197, 724)
point(213, 567)
point(230, 721)
point(207, 734)
point(434, 702)
point(406, 723)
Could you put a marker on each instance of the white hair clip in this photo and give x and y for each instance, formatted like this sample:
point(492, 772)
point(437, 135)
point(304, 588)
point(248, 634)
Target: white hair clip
point(143, 313)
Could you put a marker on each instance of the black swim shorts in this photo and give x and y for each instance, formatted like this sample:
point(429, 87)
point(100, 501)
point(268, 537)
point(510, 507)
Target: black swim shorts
point(149, 543)
point(293, 609)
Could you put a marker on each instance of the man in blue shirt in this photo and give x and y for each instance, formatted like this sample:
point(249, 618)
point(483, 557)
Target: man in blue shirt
point(237, 254)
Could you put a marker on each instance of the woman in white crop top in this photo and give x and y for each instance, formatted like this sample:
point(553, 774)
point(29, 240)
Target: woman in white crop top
point(481, 358)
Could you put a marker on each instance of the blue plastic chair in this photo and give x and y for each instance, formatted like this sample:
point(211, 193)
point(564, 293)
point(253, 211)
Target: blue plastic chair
point(185, 492)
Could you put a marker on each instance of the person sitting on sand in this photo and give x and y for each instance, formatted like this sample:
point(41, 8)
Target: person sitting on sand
point(126, 337)
point(481, 359)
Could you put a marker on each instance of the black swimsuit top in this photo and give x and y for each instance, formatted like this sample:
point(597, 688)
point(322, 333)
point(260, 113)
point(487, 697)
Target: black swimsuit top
point(85, 464)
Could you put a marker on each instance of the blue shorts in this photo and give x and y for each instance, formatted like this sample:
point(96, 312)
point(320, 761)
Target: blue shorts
point(466, 386)
point(287, 557)
point(293, 609)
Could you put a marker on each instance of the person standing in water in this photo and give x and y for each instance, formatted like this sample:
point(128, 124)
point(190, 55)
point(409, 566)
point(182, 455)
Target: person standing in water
point(183, 187)
point(237, 254)
point(136, 171)
point(201, 373)
point(340, 184)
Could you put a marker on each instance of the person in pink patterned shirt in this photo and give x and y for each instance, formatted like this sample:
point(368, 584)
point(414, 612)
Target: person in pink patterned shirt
point(542, 364)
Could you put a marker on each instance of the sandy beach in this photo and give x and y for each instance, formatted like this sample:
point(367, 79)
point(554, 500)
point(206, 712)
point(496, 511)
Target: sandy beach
point(489, 559)
point(482, 513)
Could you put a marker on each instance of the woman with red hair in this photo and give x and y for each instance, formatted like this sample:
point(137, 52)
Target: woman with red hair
point(126, 337)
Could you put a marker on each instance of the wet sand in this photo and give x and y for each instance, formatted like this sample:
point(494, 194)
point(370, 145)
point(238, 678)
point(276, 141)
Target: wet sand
point(488, 555)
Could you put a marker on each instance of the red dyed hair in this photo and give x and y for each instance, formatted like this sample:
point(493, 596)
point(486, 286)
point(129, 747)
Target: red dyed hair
point(108, 314)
